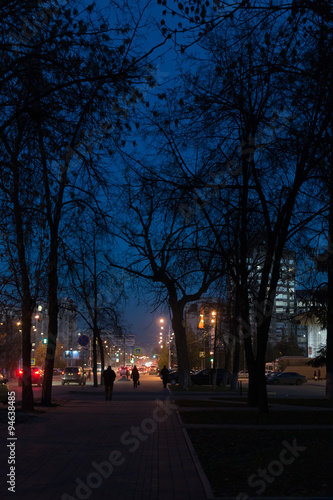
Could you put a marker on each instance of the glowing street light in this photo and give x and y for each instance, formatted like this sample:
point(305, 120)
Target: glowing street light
point(168, 340)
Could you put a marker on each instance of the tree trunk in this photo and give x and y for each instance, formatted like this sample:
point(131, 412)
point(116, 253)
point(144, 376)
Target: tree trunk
point(27, 393)
point(94, 367)
point(227, 363)
point(244, 312)
point(181, 346)
point(101, 353)
point(329, 352)
point(262, 337)
point(235, 365)
point(27, 300)
point(53, 322)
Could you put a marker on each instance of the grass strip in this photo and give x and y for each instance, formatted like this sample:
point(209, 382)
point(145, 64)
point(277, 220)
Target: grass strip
point(238, 402)
point(253, 417)
point(190, 403)
point(277, 463)
point(201, 388)
point(310, 402)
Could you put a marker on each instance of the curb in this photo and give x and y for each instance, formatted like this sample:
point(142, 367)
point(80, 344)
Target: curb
point(203, 478)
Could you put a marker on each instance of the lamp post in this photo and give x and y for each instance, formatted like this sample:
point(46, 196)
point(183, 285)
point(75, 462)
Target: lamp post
point(168, 341)
point(214, 322)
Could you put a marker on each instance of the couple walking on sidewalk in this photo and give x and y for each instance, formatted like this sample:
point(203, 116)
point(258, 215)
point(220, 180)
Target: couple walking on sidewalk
point(109, 377)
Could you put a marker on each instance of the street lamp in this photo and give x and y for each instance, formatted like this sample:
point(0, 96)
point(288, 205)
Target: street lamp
point(168, 341)
point(214, 322)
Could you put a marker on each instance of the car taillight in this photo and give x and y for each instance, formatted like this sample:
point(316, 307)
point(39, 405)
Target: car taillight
point(20, 372)
point(37, 372)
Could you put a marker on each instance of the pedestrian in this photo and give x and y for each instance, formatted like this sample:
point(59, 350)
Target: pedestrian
point(109, 377)
point(315, 375)
point(135, 377)
point(165, 375)
point(318, 374)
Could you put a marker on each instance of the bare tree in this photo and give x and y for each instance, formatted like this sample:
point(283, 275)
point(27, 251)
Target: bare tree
point(94, 286)
point(65, 73)
point(256, 145)
point(308, 67)
point(173, 255)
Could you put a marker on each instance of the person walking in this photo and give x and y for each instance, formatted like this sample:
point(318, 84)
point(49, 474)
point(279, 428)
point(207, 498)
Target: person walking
point(165, 375)
point(109, 377)
point(135, 377)
point(319, 374)
point(315, 375)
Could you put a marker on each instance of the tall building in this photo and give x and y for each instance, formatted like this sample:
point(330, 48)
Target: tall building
point(67, 325)
point(282, 324)
point(309, 325)
point(284, 307)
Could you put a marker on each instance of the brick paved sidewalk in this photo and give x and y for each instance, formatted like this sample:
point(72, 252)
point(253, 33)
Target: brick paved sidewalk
point(94, 449)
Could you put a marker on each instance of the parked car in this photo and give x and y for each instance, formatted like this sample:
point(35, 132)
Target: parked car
point(204, 377)
point(286, 378)
point(173, 377)
point(73, 375)
point(3, 390)
point(37, 375)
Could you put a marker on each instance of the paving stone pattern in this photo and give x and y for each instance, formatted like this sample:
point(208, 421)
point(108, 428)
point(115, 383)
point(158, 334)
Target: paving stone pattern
point(97, 450)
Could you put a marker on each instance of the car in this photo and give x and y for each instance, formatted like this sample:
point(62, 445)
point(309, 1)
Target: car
point(37, 375)
point(3, 390)
point(57, 371)
point(173, 377)
point(124, 371)
point(204, 377)
point(243, 374)
point(286, 378)
point(153, 370)
point(73, 375)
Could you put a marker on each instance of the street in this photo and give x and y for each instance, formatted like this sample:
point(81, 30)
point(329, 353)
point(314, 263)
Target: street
point(151, 386)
